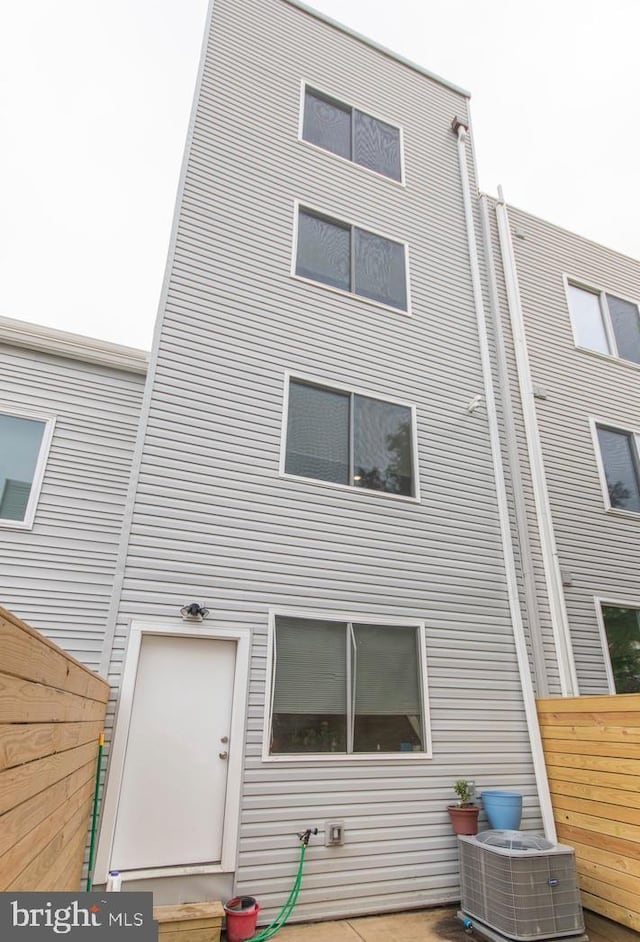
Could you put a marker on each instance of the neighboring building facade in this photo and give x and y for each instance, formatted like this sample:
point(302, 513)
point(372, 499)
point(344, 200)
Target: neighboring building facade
point(69, 414)
point(574, 313)
point(321, 468)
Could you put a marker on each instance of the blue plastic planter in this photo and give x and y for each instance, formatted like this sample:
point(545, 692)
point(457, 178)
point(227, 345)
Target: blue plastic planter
point(504, 810)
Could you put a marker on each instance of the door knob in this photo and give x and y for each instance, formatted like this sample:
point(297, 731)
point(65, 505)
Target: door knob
point(223, 755)
point(224, 739)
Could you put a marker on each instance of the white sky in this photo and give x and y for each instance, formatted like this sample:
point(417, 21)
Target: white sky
point(95, 100)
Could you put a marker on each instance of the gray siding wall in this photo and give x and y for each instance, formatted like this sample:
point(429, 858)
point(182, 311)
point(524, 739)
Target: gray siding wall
point(214, 521)
point(599, 550)
point(59, 575)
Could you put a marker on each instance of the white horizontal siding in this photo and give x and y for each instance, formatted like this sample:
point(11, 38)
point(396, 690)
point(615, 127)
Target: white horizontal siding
point(213, 519)
point(58, 576)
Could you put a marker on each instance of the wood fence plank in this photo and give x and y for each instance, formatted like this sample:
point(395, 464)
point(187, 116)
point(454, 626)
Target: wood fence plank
point(612, 861)
point(569, 833)
point(602, 718)
point(621, 914)
point(624, 702)
point(28, 654)
point(596, 809)
point(592, 733)
point(20, 856)
point(588, 822)
point(612, 798)
point(66, 873)
point(614, 878)
point(614, 894)
point(22, 819)
point(48, 868)
point(623, 767)
point(598, 779)
point(615, 750)
point(20, 743)
point(23, 781)
point(22, 701)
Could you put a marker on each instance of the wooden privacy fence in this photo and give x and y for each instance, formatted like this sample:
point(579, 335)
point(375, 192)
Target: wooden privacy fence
point(592, 753)
point(52, 710)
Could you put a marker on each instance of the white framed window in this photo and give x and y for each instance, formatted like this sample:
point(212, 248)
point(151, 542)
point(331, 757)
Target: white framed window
point(618, 454)
point(24, 447)
point(345, 687)
point(604, 322)
point(351, 259)
point(348, 132)
point(619, 624)
point(346, 438)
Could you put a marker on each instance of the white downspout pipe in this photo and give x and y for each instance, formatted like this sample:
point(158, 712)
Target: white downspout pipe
point(530, 597)
point(537, 754)
point(553, 578)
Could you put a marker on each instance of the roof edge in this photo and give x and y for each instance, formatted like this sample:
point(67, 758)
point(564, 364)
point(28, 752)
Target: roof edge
point(378, 46)
point(561, 228)
point(73, 346)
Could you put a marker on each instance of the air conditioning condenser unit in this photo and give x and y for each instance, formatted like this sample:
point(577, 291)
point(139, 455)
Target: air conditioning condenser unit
point(516, 885)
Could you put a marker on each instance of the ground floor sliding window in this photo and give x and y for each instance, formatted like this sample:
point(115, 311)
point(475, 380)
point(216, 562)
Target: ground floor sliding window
point(347, 687)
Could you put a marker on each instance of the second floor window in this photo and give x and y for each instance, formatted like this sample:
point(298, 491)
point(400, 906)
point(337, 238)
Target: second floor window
point(344, 438)
point(351, 134)
point(605, 323)
point(619, 453)
point(351, 259)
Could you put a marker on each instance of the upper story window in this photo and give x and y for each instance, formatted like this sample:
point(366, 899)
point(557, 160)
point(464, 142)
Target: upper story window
point(605, 323)
point(351, 259)
point(351, 134)
point(343, 687)
point(24, 443)
point(346, 438)
point(622, 629)
point(620, 463)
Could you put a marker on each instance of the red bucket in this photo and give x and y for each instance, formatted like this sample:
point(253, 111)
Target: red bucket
point(242, 915)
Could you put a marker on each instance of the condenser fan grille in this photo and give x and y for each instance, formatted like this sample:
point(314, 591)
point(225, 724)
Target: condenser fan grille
point(525, 897)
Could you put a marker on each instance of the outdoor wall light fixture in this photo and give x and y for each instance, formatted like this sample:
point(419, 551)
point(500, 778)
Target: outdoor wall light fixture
point(194, 612)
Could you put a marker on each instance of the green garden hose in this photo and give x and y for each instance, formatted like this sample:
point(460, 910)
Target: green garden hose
point(287, 909)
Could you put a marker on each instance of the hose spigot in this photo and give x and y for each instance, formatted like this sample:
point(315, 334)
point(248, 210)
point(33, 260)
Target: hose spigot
point(305, 835)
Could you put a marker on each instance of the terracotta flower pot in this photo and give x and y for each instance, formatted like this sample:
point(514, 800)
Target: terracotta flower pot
point(464, 819)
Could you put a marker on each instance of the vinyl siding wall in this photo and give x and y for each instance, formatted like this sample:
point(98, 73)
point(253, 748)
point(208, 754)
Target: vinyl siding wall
point(599, 551)
point(58, 576)
point(214, 521)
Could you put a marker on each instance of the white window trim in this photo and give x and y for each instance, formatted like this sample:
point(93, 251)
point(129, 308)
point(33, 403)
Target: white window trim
point(615, 427)
point(332, 386)
point(174, 628)
point(599, 601)
point(315, 87)
point(600, 293)
point(38, 474)
point(361, 619)
point(338, 218)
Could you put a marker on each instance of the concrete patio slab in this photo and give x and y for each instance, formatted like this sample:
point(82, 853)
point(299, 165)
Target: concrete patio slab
point(425, 925)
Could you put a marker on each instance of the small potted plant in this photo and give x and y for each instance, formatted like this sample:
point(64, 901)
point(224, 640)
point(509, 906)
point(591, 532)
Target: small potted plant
point(464, 814)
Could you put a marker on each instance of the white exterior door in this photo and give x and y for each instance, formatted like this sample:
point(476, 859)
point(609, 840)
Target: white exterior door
point(170, 811)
